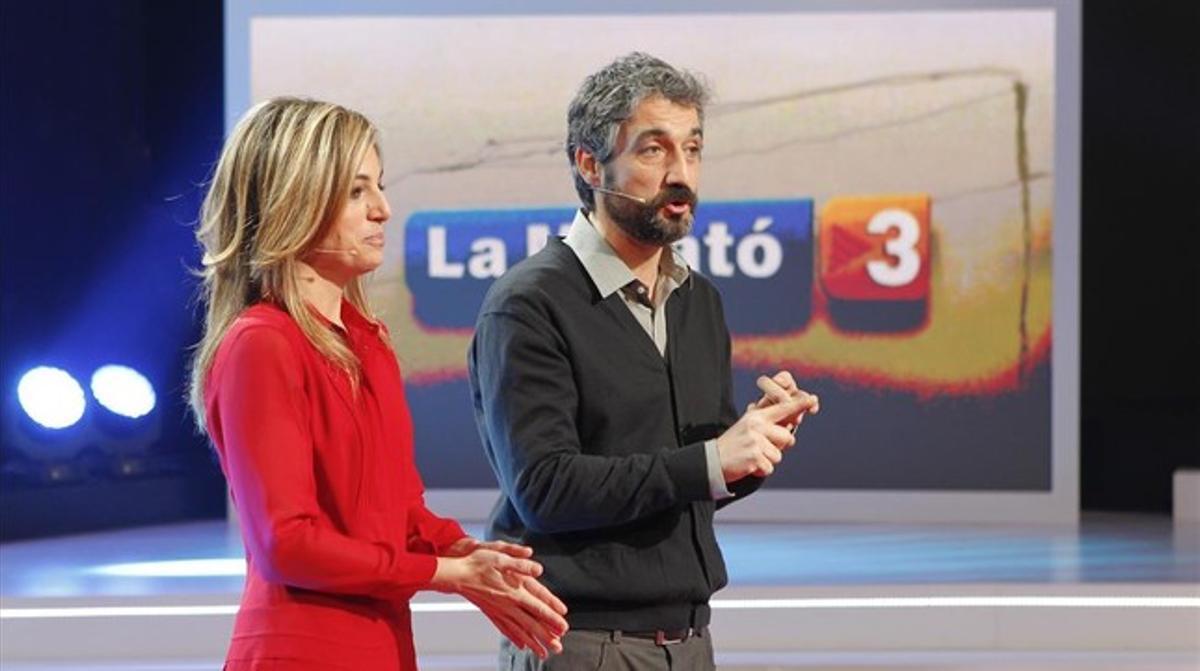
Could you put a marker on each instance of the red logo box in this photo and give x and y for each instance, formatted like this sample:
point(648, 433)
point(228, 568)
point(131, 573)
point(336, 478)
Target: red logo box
point(875, 248)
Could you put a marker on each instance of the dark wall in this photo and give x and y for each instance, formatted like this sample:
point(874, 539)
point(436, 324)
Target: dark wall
point(111, 114)
point(1141, 178)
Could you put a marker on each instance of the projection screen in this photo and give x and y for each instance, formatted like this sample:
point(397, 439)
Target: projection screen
point(889, 207)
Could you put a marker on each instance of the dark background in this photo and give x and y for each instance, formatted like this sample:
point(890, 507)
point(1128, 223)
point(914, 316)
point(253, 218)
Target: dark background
point(111, 114)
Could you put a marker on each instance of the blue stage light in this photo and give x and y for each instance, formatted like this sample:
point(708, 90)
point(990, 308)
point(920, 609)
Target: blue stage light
point(51, 397)
point(123, 390)
point(175, 568)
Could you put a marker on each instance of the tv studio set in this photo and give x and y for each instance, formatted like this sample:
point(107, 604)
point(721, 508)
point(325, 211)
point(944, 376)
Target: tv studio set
point(850, 335)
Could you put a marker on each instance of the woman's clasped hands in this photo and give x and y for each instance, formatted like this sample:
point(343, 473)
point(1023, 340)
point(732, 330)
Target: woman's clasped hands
point(501, 579)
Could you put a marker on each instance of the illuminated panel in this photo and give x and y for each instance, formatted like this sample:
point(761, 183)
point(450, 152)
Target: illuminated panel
point(876, 248)
point(749, 249)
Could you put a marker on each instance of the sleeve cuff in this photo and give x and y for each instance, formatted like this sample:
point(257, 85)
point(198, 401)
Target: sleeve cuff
point(716, 481)
point(452, 535)
point(689, 471)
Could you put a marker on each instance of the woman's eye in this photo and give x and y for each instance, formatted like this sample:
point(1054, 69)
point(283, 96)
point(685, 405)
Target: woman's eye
point(356, 192)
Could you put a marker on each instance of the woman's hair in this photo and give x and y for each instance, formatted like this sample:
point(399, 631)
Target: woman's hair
point(284, 175)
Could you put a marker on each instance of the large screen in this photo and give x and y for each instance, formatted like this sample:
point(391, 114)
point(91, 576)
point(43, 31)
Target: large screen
point(887, 206)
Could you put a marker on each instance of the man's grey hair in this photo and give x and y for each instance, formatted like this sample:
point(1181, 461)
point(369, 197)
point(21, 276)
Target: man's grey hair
point(609, 97)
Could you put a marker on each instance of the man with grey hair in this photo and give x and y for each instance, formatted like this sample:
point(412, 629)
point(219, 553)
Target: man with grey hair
point(601, 377)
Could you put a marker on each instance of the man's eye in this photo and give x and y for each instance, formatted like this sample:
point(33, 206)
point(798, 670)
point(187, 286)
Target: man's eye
point(695, 151)
point(652, 150)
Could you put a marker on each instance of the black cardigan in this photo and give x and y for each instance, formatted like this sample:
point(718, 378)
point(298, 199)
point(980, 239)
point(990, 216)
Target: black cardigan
point(598, 441)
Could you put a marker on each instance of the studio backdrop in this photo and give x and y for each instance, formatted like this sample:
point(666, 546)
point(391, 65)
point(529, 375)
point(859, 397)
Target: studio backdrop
point(888, 205)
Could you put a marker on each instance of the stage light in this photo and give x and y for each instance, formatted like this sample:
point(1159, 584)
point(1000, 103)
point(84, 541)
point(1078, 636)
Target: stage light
point(127, 434)
point(176, 568)
point(47, 430)
point(123, 391)
point(51, 397)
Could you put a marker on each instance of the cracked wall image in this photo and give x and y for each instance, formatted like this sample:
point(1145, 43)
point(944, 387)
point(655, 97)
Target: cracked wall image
point(816, 117)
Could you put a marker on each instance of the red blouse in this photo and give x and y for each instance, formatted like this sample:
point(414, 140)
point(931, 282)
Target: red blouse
point(331, 506)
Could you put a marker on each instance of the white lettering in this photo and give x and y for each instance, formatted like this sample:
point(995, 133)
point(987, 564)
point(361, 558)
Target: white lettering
point(489, 258)
point(758, 255)
point(438, 266)
point(760, 243)
point(902, 248)
point(718, 242)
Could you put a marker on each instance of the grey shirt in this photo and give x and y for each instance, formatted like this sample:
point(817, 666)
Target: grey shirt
point(610, 274)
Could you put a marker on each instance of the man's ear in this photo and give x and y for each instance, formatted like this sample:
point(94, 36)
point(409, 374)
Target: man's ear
point(588, 166)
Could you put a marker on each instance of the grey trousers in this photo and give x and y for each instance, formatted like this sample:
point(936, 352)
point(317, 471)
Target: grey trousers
point(595, 650)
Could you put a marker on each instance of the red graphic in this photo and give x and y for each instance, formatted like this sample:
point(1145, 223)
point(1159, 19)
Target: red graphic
point(875, 248)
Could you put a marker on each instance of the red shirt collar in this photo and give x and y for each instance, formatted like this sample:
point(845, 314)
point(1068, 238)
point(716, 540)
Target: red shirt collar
point(351, 317)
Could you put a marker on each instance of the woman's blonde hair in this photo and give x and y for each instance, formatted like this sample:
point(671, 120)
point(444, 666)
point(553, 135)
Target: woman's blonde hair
point(283, 176)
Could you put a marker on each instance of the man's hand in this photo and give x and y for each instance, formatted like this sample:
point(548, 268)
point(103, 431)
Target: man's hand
point(754, 444)
point(779, 388)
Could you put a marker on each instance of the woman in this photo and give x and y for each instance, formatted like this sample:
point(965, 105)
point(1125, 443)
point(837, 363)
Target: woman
point(297, 385)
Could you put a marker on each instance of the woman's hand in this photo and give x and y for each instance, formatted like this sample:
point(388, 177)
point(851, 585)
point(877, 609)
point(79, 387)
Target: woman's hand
point(506, 589)
point(466, 545)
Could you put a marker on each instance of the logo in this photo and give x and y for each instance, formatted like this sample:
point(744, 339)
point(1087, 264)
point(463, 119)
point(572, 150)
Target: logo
point(749, 249)
point(875, 248)
point(874, 262)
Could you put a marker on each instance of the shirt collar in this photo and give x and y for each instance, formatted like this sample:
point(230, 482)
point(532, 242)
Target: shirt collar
point(351, 317)
point(674, 267)
point(354, 319)
point(607, 271)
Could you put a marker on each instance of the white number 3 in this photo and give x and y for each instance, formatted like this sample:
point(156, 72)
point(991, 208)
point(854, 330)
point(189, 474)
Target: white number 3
point(902, 248)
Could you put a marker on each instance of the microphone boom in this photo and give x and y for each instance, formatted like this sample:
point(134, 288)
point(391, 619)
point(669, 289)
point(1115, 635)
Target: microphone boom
point(622, 194)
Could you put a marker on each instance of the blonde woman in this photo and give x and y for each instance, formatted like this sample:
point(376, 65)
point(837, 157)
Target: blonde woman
point(296, 383)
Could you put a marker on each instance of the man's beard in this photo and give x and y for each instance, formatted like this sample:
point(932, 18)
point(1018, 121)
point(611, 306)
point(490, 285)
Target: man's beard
point(642, 221)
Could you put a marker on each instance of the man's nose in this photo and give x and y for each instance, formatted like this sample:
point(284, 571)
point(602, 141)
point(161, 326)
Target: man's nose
point(679, 171)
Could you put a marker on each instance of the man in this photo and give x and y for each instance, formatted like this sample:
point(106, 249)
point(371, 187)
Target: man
point(600, 371)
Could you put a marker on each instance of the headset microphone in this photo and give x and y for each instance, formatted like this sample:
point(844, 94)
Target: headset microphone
point(621, 194)
point(330, 250)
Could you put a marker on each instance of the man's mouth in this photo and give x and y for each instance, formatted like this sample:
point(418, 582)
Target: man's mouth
point(677, 208)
